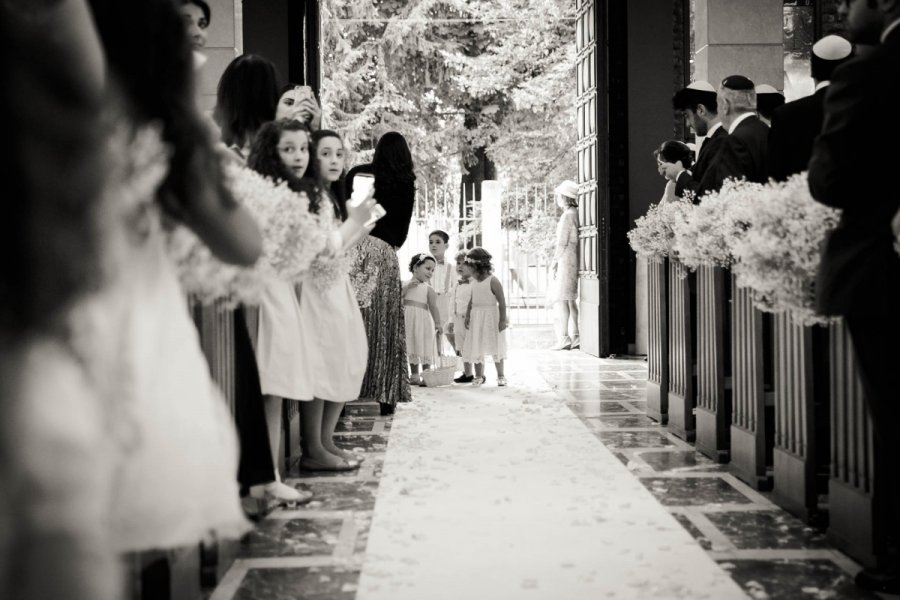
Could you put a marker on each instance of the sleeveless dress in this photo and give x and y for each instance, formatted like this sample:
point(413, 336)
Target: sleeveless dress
point(333, 349)
point(462, 294)
point(565, 284)
point(484, 337)
point(176, 450)
point(279, 348)
point(421, 348)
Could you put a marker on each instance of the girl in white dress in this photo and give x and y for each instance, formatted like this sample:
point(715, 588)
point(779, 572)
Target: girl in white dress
point(280, 150)
point(442, 280)
point(334, 347)
point(486, 317)
point(420, 311)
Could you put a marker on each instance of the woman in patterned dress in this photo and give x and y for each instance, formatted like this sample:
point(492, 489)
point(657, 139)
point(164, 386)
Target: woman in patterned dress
point(387, 379)
point(564, 290)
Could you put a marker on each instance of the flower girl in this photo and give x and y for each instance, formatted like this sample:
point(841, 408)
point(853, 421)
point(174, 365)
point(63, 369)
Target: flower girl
point(460, 296)
point(420, 310)
point(486, 317)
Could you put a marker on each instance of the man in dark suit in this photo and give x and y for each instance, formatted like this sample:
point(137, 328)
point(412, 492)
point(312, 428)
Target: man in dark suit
point(796, 124)
point(743, 153)
point(859, 276)
point(698, 103)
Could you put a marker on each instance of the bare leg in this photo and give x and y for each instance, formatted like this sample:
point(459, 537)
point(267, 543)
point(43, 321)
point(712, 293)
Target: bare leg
point(573, 317)
point(273, 405)
point(467, 368)
point(413, 373)
point(562, 325)
point(330, 417)
point(499, 365)
point(311, 418)
point(479, 369)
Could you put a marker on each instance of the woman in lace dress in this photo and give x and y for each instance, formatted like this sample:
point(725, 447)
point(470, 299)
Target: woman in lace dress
point(564, 287)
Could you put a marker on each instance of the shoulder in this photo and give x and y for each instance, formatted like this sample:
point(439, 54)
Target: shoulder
point(363, 168)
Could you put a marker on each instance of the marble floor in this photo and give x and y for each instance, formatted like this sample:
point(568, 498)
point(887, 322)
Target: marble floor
point(382, 531)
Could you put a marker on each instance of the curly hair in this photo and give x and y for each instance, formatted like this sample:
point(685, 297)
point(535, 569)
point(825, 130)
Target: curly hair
point(418, 259)
point(480, 259)
point(264, 158)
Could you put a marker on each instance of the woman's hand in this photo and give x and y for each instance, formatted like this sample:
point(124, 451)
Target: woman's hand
point(361, 212)
point(503, 324)
point(308, 111)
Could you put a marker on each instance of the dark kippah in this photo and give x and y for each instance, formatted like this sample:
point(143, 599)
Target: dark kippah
point(738, 83)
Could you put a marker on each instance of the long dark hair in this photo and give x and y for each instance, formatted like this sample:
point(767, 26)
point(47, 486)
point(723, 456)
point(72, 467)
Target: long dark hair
point(246, 98)
point(153, 65)
point(264, 158)
point(337, 189)
point(393, 161)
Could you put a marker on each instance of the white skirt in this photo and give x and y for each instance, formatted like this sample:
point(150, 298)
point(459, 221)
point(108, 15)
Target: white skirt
point(421, 347)
point(279, 349)
point(484, 337)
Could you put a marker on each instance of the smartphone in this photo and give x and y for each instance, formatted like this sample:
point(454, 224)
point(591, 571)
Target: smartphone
point(363, 183)
point(304, 91)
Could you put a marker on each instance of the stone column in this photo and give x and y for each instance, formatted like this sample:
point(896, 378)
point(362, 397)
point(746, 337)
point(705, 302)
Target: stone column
point(224, 42)
point(734, 37)
point(491, 234)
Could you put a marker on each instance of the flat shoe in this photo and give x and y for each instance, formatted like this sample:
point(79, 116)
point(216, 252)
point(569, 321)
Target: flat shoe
point(308, 464)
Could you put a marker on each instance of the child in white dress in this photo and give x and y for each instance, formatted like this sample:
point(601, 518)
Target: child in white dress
point(442, 280)
point(421, 315)
point(456, 324)
point(486, 317)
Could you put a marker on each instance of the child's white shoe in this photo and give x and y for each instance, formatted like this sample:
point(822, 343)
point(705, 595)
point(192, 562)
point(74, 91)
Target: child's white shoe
point(501, 381)
point(478, 382)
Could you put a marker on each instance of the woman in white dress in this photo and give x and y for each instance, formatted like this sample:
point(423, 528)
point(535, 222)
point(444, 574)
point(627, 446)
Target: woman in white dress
point(564, 288)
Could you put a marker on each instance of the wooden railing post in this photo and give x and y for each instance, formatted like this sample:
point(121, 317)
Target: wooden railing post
point(713, 417)
point(657, 341)
point(852, 514)
point(748, 426)
point(796, 391)
point(681, 352)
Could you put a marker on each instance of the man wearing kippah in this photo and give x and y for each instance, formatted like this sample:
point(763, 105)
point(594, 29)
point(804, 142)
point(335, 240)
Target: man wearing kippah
point(767, 100)
point(796, 124)
point(854, 167)
point(743, 152)
point(698, 103)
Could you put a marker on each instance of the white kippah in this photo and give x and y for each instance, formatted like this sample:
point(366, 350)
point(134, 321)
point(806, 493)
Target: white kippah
point(702, 86)
point(832, 47)
point(765, 88)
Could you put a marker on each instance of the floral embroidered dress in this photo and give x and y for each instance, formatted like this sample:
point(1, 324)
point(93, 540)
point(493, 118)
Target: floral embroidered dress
point(565, 283)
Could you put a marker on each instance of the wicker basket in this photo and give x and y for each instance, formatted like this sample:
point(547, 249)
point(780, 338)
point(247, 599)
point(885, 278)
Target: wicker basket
point(442, 373)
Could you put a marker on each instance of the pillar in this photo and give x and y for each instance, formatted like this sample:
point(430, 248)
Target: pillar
point(739, 37)
point(491, 234)
point(224, 42)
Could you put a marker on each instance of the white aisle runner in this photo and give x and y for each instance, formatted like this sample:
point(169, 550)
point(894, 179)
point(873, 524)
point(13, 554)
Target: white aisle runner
point(500, 494)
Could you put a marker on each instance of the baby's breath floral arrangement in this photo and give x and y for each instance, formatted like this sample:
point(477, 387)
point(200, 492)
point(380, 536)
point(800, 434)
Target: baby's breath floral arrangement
point(292, 239)
point(777, 256)
point(715, 225)
point(653, 235)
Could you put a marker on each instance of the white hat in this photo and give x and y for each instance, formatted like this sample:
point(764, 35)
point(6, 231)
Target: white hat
point(832, 47)
point(567, 188)
point(765, 88)
point(702, 86)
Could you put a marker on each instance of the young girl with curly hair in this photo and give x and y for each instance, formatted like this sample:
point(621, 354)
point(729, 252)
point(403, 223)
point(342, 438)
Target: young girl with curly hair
point(423, 320)
point(486, 317)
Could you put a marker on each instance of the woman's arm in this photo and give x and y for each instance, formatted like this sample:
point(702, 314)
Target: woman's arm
point(562, 235)
point(497, 289)
point(432, 306)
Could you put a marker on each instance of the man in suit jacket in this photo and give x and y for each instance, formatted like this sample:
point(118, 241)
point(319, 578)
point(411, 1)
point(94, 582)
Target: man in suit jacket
point(743, 153)
point(796, 124)
point(859, 276)
point(698, 103)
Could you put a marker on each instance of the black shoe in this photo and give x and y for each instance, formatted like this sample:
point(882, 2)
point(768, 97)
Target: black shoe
point(385, 409)
point(464, 378)
point(879, 581)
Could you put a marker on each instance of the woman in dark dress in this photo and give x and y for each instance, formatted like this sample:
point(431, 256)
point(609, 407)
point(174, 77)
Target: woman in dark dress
point(387, 379)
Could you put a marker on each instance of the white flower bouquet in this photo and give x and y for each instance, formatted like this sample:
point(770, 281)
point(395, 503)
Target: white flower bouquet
point(715, 225)
point(654, 234)
point(292, 239)
point(777, 256)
